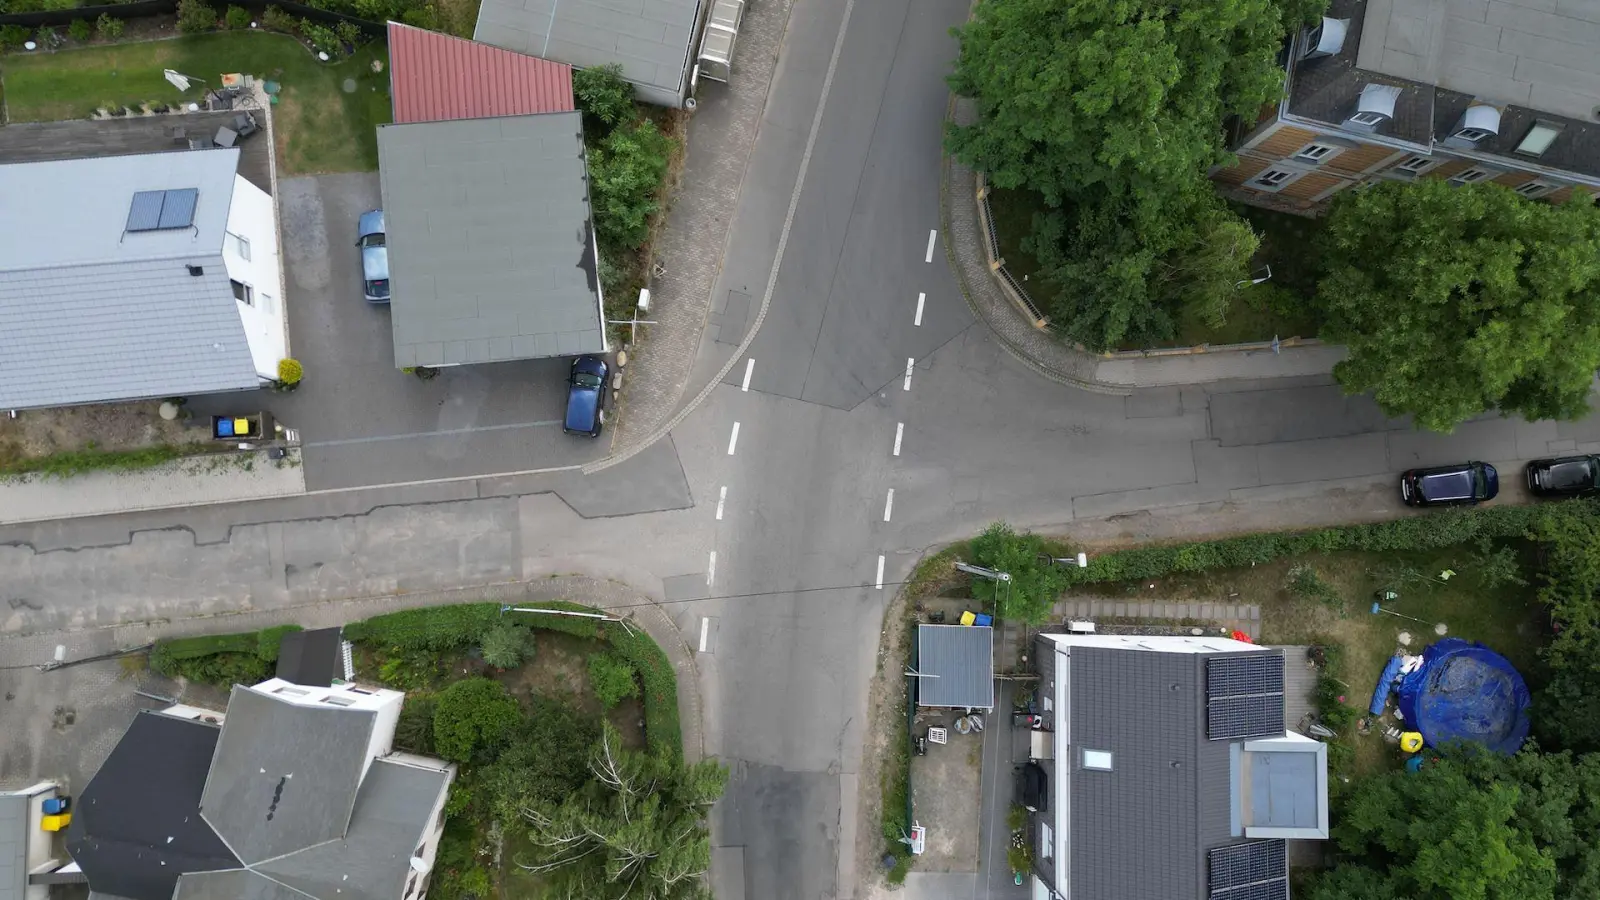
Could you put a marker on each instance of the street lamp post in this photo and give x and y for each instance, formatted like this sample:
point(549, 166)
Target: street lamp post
point(990, 574)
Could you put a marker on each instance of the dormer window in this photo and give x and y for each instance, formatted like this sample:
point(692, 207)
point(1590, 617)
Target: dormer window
point(1539, 138)
point(1479, 122)
point(1327, 39)
point(1374, 107)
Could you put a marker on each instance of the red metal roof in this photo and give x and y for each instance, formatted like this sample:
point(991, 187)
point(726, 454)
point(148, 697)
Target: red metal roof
point(434, 77)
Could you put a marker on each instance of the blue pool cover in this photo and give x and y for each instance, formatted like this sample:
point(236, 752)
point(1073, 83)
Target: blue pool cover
point(1466, 692)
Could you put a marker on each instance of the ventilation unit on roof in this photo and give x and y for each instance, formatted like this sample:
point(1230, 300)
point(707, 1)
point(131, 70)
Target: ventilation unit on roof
point(162, 210)
point(1327, 39)
point(1480, 122)
point(1374, 107)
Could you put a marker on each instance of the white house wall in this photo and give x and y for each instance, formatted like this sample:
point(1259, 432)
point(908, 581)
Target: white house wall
point(253, 217)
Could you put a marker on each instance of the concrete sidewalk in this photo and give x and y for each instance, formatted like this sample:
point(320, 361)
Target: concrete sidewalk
point(192, 481)
point(1058, 361)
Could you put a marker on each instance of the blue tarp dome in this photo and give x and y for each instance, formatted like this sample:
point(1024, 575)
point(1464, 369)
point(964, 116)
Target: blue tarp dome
point(1466, 692)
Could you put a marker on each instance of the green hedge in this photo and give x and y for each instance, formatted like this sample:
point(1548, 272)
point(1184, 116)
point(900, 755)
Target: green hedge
point(448, 627)
point(223, 659)
point(1430, 532)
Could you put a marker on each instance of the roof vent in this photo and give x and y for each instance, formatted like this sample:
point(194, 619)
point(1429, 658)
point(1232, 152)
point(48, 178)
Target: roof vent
point(1327, 39)
point(1374, 107)
point(1479, 122)
point(162, 210)
point(196, 271)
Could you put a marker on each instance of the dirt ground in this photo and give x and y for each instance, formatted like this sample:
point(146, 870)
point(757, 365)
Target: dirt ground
point(559, 668)
point(110, 426)
point(946, 791)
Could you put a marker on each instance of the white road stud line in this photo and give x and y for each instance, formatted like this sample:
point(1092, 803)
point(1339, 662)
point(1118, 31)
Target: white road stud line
point(921, 298)
point(749, 367)
point(879, 586)
point(711, 569)
point(733, 439)
point(933, 238)
point(911, 363)
point(721, 499)
point(899, 432)
point(888, 505)
point(705, 629)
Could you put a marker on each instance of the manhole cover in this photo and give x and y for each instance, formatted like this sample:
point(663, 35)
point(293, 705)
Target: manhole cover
point(349, 85)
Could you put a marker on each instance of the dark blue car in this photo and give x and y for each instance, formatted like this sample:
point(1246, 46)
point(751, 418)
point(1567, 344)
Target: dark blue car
point(586, 397)
point(1468, 483)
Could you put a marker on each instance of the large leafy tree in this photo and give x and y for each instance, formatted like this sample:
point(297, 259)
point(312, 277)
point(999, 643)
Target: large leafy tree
point(1569, 705)
point(1112, 111)
point(1457, 300)
point(636, 830)
point(1034, 582)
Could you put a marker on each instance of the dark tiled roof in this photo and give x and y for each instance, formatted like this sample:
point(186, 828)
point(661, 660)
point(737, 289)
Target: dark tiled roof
point(1326, 89)
point(137, 825)
point(311, 657)
point(1577, 149)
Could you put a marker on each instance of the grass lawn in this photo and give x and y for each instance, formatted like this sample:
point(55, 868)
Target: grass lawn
point(320, 126)
point(1503, 616)
point(1277, 308)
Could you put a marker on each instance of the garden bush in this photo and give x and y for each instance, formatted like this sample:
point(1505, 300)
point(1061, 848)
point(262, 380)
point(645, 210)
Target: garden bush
point(626, 170)
point(612, 679)
point(221, 659)
point(195, 17)
point(80, 30)
point(109, 27)
point(12, 37)
point(472, 719)
point(414, 731)
point(236, 18)
point(505, 646)
point(429, 628)
point(603, 94)
point(277, 20)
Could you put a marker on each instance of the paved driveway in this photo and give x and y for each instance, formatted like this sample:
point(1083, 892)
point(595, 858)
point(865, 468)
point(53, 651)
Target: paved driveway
point(363, 421)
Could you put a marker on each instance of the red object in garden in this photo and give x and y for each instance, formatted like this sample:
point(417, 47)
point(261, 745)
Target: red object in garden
point(435, 77)
point(1241, 636)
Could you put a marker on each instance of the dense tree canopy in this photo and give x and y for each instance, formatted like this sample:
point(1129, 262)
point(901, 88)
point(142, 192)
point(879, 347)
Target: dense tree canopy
point(1569, 704)
point(1457, 300)
point(1112, 111)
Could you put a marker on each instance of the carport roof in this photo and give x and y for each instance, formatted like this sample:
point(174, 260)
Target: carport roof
point(649, 39)
point(491, 247)
point(958, 664)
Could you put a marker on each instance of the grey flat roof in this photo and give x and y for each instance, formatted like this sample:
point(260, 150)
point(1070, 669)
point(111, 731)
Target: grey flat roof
point(90, 312)
point(962, 656)
point(284, 776)
point(1283, 789)
point(13, 846)
point(650, 39)
point(491, 249)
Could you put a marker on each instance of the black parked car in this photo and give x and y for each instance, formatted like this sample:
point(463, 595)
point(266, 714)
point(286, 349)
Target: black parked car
point(1468, 483)
point(1569, 476)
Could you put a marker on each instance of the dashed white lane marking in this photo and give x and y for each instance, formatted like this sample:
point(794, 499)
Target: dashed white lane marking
point(921, 298)
point(711, 569)
point(933, 238)
point(705, 629)
point(879, 586)
point(749, 367)
point(733, 439)
point(888, 505)
point(899, 432)
point(721, 499)
point(911, 363)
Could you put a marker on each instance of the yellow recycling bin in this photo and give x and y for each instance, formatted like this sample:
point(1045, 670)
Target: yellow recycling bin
point(1410, 741)
point(56, 823)
point(968, 617)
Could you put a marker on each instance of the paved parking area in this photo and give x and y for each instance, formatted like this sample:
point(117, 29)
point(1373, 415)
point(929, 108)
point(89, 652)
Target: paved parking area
point(364, 422)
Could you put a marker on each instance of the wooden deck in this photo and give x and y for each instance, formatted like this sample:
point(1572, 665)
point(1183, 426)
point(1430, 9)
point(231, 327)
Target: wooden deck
point(37, 141)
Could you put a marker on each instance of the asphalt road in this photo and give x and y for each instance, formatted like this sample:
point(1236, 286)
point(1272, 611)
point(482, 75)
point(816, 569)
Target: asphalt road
point(763, 520)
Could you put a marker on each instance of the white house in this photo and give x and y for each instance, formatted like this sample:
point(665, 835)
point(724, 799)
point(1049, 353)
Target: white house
point(136, 277)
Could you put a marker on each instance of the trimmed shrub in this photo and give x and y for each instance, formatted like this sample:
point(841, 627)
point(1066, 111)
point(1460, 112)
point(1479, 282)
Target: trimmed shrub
point(109, 27)
point(473, 719)
point(289, 370)
point(430, 628)
point(612, 679)
point(195, 17)
point(237, 18)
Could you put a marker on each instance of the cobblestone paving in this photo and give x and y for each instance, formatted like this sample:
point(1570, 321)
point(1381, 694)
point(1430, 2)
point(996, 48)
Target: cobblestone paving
point(689, 251)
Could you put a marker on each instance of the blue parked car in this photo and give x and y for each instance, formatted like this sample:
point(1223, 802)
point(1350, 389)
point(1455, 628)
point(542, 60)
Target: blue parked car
point(1467, 483)
point(586, 397)
point(374, 256)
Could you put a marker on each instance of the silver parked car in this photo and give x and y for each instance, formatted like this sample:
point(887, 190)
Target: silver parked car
point(374, 257)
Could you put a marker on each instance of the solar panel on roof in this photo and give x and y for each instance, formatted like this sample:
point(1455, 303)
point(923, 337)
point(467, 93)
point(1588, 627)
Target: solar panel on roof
point(1244, 696)
point(1258, 870)
point(178, 211)
point(145, 213)
point(162, 210)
